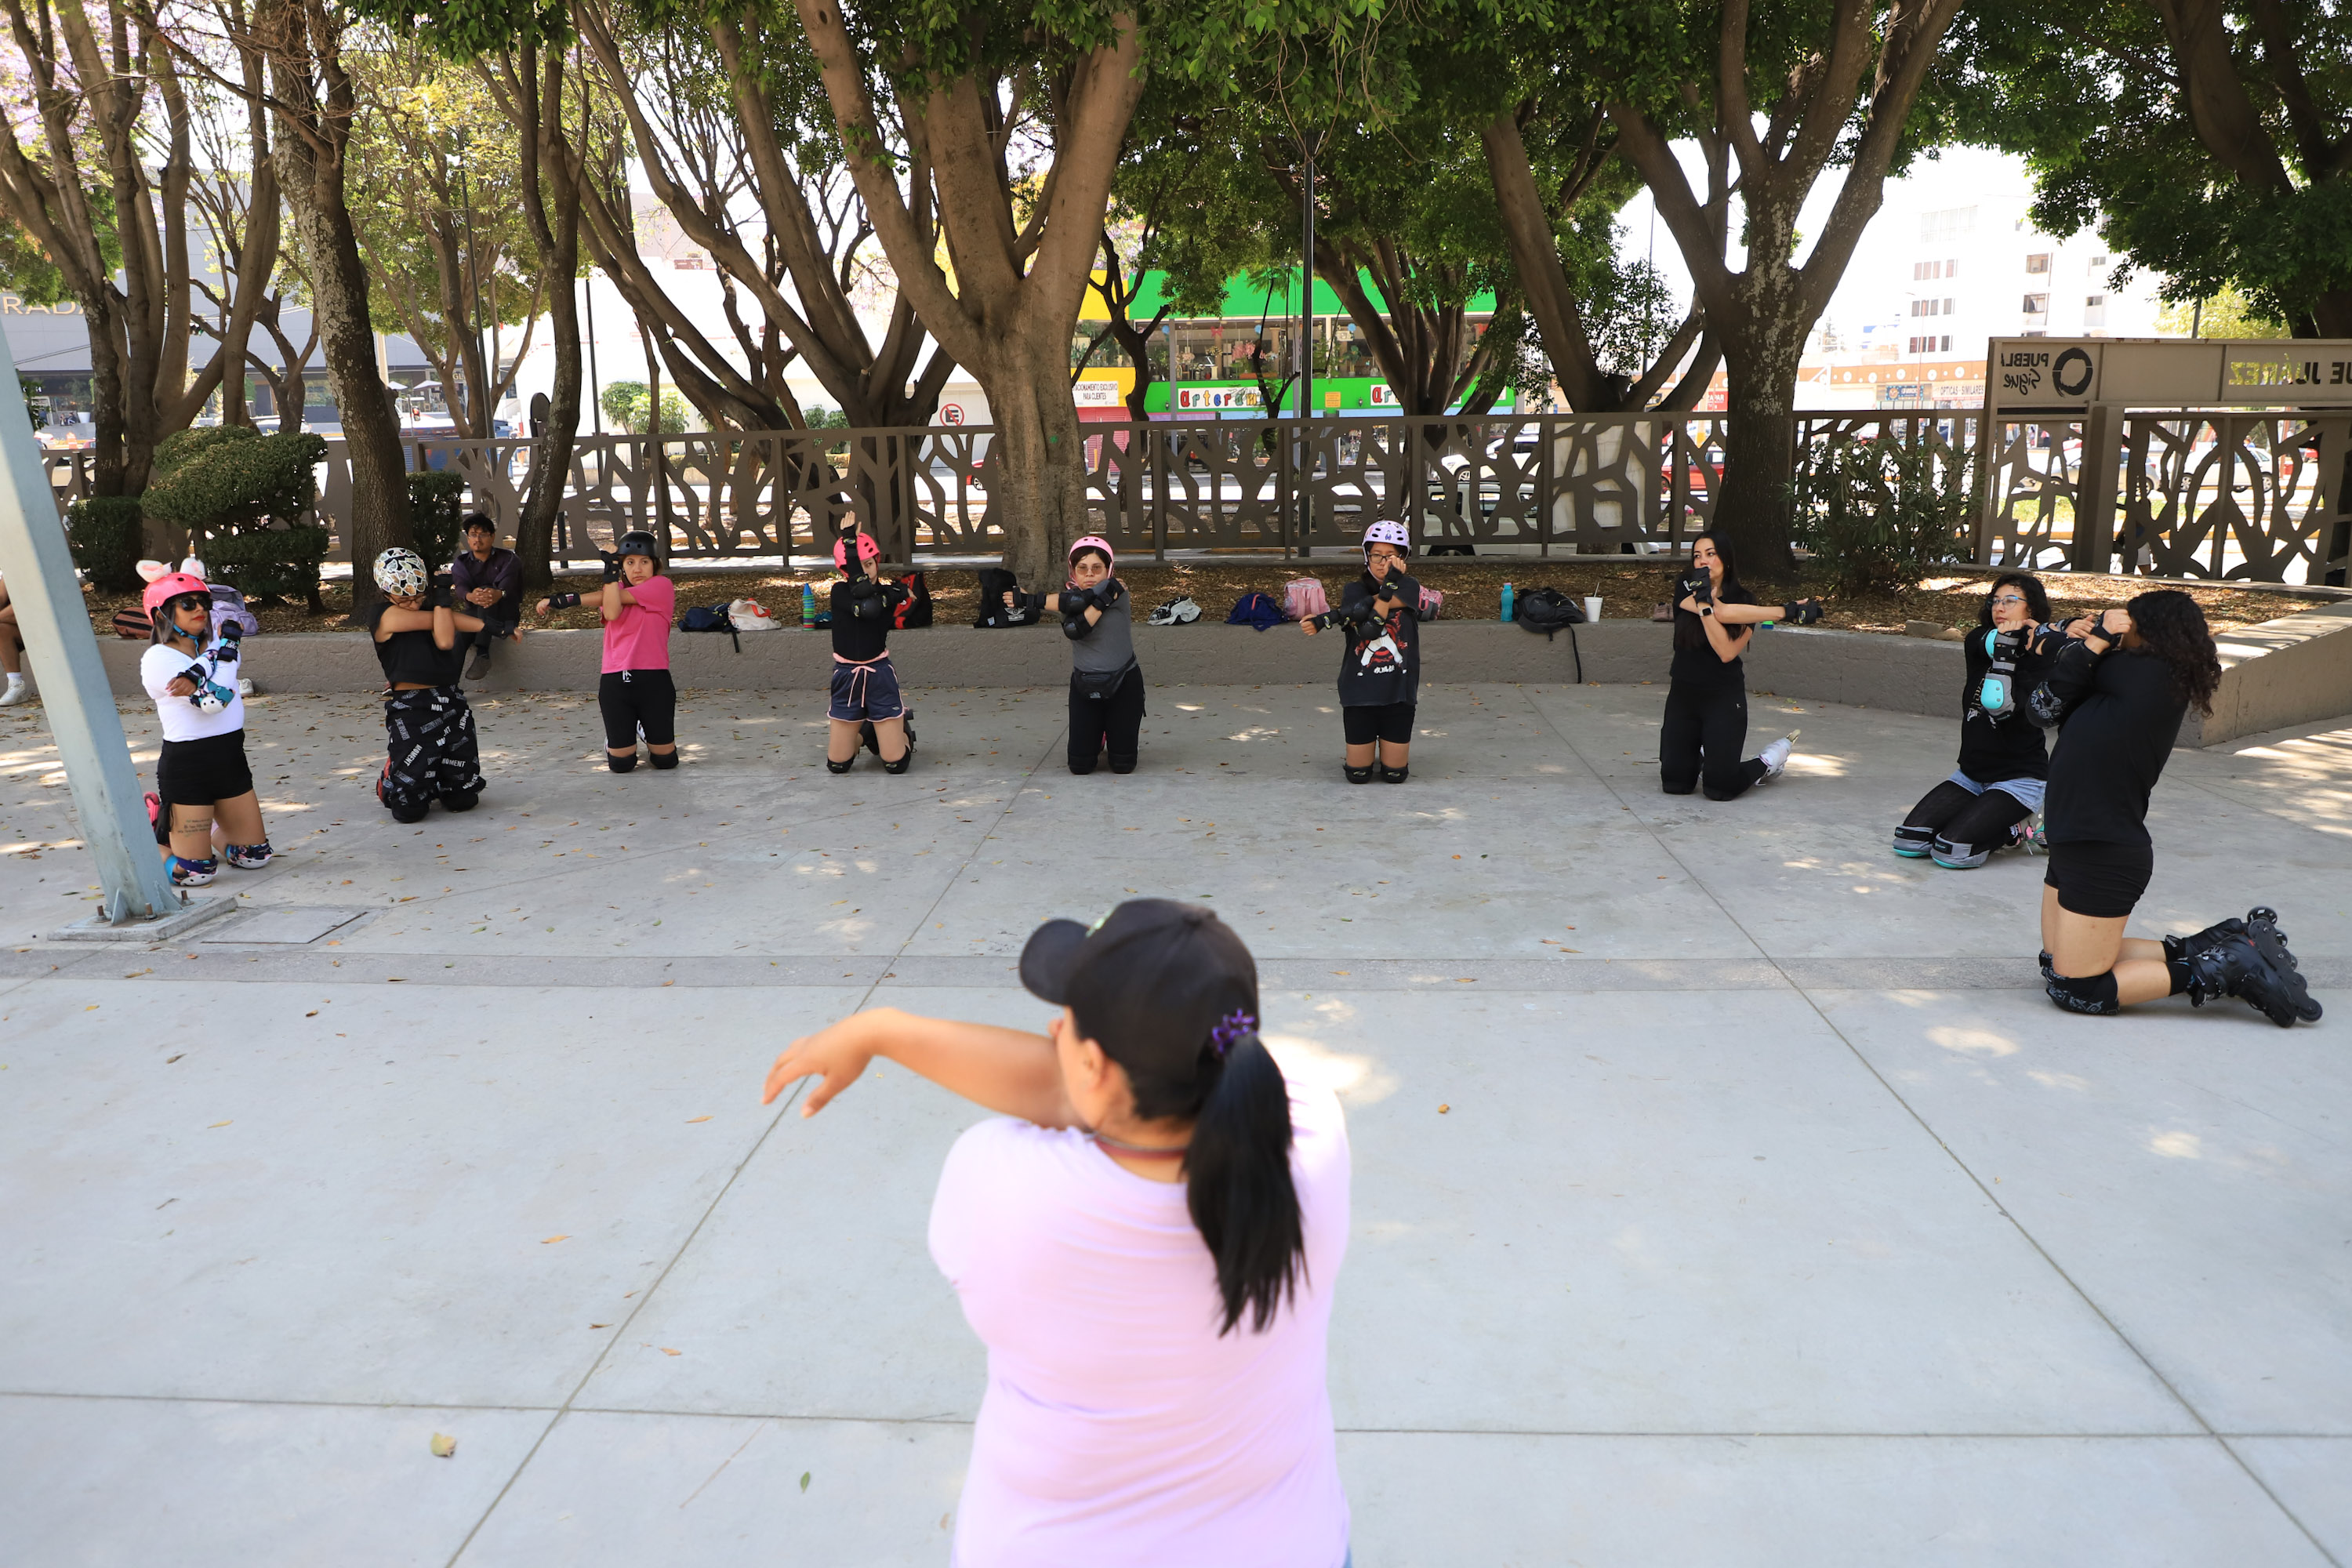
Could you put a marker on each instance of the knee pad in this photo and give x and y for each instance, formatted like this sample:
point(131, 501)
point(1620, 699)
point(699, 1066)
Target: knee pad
point(1087, 767)
point(1393, 775)
point(1122, 765)
point(840, 767)
point(906, 760)
point(2092, 993)
point(662, 761)
point(461, 799)
point(2047, 972)
point(621, 764)
point(1913, 843)
point(1357, 775)
point(1954, 856)
point(412, 812)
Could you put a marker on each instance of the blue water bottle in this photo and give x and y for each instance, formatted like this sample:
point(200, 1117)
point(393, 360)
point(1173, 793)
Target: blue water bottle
point(808, 605)
point(1507, 596)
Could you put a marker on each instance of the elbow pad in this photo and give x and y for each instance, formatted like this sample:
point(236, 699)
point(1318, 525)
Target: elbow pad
point(2044, 708)
point(1074, 625)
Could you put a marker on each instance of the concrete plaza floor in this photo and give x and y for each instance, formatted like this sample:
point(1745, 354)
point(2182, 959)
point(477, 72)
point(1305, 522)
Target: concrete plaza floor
point(1726, 1191)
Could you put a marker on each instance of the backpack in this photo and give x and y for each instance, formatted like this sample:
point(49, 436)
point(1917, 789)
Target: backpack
point(1302, 597)
point(916, 609)
point(1432, 601)
point(710, 618)
point(228, 604)
point(134, 625)
point(994, 584)
point(1549, 611)
point(748, 615)
point(1254, 610)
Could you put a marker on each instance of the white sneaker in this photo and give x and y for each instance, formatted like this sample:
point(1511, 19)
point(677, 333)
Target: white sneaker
point(1775, 757)
point(19, 692)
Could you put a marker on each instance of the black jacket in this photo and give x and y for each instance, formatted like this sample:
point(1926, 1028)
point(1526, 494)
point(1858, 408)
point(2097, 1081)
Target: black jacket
point(1382, 664)
point(863, 637)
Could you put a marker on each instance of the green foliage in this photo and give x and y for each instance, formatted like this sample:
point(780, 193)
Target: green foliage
point(435, 518)
point(626, 403)
point(181, 445)
point(103, 532)
point(2090, 92)
point(227, 477)
point(823, 419)
point(1875, 511)
point(269, 563)
point(2225, 315)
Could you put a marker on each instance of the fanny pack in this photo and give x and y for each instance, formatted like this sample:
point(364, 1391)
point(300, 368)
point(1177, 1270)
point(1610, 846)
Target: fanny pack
point(1098, 684)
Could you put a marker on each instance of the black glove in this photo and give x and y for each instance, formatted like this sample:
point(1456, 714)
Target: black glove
point(1696, 586)
point(1801, 612)
point(437, 592)
point(612, 565)
point(231, 631)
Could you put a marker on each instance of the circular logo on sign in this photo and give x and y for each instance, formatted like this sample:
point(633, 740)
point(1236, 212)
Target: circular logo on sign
point(2071, 377)
point(950, 413)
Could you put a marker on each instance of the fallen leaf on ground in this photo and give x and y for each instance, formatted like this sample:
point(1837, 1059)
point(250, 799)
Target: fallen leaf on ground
point(600, 1325)
point(552, 1241)
point(804, 1480)
point(692, 1120)
point(311, 1014)
point(1444, 1109)
point(223, 1123)
point(444, 1445)
point(666, 1351)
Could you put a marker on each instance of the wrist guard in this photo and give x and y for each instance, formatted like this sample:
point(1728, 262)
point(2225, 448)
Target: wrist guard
point(612, 565)
point(563, 600)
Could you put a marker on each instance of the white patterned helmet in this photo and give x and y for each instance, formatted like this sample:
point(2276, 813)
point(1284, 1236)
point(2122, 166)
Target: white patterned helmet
point(401, 574)
point(1387, 534)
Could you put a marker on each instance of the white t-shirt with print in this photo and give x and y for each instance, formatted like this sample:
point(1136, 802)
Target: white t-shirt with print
point(183, 720)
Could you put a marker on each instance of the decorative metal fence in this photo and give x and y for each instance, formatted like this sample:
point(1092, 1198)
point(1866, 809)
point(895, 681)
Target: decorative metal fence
point(2256, 495)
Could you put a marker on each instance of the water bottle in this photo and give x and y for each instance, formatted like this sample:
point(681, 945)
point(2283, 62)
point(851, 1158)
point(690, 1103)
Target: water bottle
point(808, 605)
point(1507, 596)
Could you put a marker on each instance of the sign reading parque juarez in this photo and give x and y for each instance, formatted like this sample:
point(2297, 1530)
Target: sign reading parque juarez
point(2058, 375)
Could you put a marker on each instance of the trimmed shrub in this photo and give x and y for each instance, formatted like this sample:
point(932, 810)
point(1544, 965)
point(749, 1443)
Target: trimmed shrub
point(237, 480)
point(181, 446)
point(434, 515)
point(103, 532)
point(270, 562)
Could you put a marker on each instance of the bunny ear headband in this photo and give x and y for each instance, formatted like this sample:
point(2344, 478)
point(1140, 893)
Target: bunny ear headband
point(150, 570)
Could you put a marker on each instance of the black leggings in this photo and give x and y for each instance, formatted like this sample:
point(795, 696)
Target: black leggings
point(1112, 723)
point(1965, 818)
point(1699, 743)
point(635, 698)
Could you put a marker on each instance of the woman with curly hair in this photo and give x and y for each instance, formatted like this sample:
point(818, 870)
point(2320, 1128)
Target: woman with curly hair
point(2120, 687)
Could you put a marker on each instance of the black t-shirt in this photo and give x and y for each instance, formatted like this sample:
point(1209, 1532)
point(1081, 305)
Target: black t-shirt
point(1381, 663)
point(2121, 716)
point(865, 638)
point(1992, 750)
point(411, 657)
point(1695, 662)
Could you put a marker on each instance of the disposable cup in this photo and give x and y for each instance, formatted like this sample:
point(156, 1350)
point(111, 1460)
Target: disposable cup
point(1592, 606)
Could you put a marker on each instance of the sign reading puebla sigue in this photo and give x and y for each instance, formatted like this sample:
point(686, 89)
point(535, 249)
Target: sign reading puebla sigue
point(2060, 376)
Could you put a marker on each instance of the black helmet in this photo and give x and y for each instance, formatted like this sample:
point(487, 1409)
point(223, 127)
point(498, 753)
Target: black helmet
point(637, 541)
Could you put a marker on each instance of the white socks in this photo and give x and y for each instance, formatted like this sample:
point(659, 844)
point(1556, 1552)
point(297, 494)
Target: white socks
point(17, 692)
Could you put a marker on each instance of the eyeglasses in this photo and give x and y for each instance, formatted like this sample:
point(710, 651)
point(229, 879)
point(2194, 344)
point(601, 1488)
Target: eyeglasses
point(2009, 598)
point(1383, 553)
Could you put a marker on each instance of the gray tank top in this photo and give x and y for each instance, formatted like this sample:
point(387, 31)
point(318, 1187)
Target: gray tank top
point(1110, 646)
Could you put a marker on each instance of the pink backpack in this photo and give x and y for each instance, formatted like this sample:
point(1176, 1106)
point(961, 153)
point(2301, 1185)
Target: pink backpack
point(1302, 597)
point(1432, 600)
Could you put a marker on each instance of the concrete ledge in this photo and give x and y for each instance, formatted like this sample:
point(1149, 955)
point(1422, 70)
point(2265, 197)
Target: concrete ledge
point(2287, 671)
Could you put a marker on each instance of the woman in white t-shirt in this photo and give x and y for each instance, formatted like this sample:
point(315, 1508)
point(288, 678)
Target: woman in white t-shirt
point(1146, 1242)
point(201, 778)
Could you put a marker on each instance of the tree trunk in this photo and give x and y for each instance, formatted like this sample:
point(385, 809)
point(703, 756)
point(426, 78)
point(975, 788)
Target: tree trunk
point(339, 294)
point(1039, 497)
point(1755, 508)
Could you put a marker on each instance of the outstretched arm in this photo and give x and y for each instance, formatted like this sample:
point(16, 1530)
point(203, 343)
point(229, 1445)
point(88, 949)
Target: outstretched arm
point(1006, 1070)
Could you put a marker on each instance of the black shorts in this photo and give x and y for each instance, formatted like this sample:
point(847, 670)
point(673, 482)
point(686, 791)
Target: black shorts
point(198, 773)
point(634, 699)
point(1391, 722)
point(2101, 880)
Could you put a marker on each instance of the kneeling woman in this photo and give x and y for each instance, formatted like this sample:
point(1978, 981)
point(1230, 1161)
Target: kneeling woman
point(1706, 726)
point(1989, 801)
point(1146, 1237)
point(2120, 690)
point(1106, 683)
point(1379, 669)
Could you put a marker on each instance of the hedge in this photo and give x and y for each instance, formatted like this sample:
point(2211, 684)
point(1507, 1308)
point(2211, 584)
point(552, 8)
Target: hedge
point(266, 562)
point(235, 480)
point(181, 446)
point(434, 515)
point(103, 532)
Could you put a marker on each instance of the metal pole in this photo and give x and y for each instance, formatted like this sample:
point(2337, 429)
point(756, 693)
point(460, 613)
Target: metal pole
point(75, 698)
point(1306, 469)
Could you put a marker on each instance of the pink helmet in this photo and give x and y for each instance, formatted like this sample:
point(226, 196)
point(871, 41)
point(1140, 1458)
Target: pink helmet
point(868, 550)
point(1094, 541)
point(170, 586)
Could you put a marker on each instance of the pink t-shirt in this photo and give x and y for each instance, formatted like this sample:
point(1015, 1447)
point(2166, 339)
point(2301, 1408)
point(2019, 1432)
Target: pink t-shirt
point(639, 638)
point(1117, 1427)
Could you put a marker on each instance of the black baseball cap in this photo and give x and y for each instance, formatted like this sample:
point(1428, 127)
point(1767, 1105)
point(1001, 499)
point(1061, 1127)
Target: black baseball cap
point(1152, 977)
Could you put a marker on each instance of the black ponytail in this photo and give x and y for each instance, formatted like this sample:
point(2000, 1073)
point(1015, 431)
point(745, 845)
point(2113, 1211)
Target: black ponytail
point(1237, 1185)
